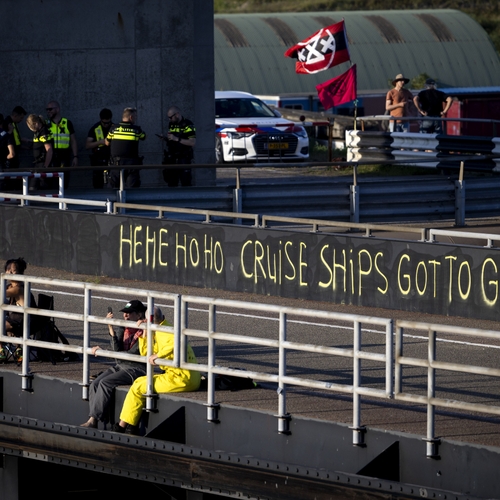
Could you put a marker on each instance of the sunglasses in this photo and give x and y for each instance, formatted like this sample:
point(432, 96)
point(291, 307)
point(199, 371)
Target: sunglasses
point(49, 109)
point(171, 116)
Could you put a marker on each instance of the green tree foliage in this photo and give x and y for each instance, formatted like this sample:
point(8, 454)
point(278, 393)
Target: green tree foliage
point(485, 12)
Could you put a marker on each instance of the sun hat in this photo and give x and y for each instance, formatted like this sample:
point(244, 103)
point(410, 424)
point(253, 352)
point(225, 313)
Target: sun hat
point(399, 78)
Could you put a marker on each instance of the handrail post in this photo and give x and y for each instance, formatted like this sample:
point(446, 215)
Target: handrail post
point(460, 198)
point(25, 373)
point(212, 406)
point(354, 196)
point(87, 305)
point(237, 197)
point(358, 431)
point(25, 190)
point(389, 359)
point(283, 417)
point(122, 197)
point(431, 440)
point(151, 396)
point(62, 206)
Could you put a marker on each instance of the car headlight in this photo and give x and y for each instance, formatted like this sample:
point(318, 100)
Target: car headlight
point(300, 131)
point(239, 135)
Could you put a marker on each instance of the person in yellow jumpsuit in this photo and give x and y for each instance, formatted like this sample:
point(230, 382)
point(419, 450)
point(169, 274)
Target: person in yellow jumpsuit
point(171, 380)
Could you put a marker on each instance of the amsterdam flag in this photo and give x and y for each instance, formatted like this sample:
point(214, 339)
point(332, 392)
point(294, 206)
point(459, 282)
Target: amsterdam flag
point(325, 49)
point(338, 90)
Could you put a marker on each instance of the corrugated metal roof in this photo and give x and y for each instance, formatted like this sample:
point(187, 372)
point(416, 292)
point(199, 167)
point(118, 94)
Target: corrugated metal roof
point(446, 44)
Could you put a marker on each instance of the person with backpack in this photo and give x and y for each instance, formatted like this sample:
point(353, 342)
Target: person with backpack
point(124, 372)
point(171, 380)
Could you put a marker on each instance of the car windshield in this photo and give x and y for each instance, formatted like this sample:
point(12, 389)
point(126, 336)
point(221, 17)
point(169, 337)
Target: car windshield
point(242, 108)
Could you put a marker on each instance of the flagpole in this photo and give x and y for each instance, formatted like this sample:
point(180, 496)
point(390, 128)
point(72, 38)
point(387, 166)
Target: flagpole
point(355, 107)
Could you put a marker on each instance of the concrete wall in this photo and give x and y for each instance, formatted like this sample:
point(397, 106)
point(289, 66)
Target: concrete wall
point(94, 54)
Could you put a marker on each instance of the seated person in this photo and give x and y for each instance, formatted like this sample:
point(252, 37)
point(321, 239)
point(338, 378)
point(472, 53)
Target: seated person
point(171, 380)
point(123, 372)
point(15, 296)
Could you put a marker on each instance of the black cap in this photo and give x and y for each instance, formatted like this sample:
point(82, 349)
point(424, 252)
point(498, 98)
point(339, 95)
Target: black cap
point(430, 81)
point(134, 306)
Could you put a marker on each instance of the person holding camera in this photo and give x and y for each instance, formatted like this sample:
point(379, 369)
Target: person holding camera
point(181, 139)
point(124, 372)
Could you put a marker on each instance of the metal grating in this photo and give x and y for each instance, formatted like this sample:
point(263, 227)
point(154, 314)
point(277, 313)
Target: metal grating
point(386, 29)
point(285, 34)
point(234, 37)
point(438, 28)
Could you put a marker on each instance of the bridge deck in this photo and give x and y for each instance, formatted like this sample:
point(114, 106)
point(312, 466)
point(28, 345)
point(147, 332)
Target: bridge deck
point(382, 414)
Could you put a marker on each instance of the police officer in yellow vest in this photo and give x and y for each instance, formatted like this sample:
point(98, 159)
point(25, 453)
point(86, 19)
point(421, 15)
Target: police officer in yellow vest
point(63, 133)
point(96, 142)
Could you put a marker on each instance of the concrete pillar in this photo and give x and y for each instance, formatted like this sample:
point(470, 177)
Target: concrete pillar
point(113, 54)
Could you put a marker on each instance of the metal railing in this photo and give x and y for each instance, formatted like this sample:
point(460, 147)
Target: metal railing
point(276, 340)
point(432, 364)
point(25, 198)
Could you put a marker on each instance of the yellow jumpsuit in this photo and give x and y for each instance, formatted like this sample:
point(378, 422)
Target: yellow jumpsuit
point(172, 380)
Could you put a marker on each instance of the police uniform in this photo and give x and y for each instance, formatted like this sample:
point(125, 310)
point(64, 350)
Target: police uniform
point(40, 138)
point(100, 155)
point(13, 139)
point(179, 154)
point(124, 149)
point(61, 134)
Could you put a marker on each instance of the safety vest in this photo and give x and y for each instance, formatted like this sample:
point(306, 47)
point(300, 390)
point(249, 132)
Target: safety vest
point(60, 133)
point(99, 135)
point(125, 132)
point(17, 137)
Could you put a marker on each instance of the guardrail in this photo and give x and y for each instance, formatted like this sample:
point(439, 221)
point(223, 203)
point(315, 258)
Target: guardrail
point(370, 199)
point(391, 119)
point(425, 150)
point(275, 339)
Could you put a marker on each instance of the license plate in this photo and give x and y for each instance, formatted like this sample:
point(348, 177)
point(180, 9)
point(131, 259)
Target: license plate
point(277, 145)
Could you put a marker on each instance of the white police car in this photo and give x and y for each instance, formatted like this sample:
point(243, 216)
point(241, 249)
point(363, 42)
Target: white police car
point(247, 129)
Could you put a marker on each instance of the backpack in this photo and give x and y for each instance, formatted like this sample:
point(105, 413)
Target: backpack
point(228, 383)
point(45, 329)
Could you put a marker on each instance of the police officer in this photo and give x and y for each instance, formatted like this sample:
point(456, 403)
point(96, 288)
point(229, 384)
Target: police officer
point(11, 158)
point(63, 133)
point(181, 139)
point(96, 141)
point(123, 140)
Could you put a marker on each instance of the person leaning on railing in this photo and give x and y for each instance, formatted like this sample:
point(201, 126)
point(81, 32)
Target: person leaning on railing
point(124, 372)
point(171, 380)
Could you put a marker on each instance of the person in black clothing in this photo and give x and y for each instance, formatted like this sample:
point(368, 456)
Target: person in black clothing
point(181, 139)
point(96, 141)
point(429, 102)
point(123, 140)
point(43, 142)
point(11, 153)
point(124, 372)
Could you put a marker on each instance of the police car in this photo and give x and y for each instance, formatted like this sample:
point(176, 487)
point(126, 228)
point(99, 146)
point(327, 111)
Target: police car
point(247, 129)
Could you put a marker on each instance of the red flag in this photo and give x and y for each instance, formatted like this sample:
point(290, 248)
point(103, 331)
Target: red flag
point(325, 49)
point(338, 90)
